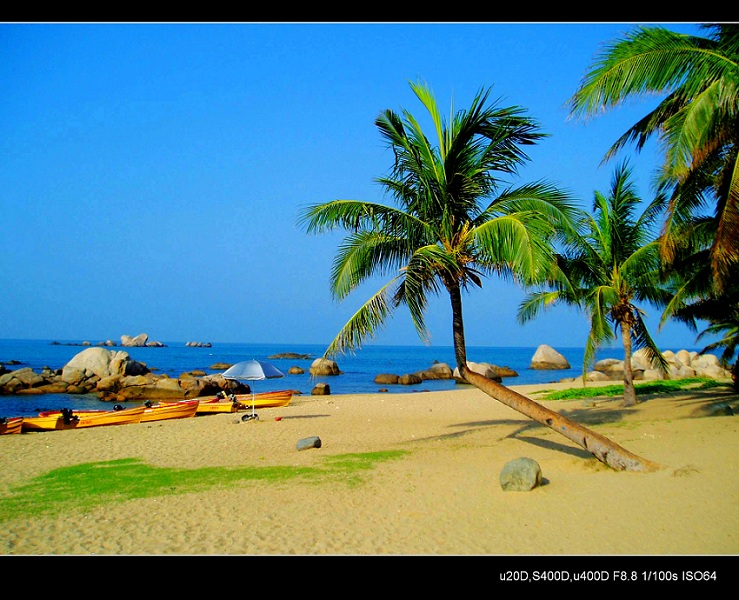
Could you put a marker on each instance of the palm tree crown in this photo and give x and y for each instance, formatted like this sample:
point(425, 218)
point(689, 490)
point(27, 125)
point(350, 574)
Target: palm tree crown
point(441, 235)
point(697, 124)
point(614, 266)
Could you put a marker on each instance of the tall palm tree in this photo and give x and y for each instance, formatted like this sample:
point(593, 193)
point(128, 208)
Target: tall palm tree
point(615, 264)
point(697, 124)
point(442, 237)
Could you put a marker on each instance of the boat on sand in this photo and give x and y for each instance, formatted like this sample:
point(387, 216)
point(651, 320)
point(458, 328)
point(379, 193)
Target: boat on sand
point(10, 425)
point(265, 399)
point(232, 403)
point(173, 410)
point(68, 419)
point(216, 405)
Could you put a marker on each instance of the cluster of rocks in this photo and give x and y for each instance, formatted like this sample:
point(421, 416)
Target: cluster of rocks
point(441, 370)
point(198, 345)
point(139, 341)
point(114, 376)
point(127, 341)
point(681, 364)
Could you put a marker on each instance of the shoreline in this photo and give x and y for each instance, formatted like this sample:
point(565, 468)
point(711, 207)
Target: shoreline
point(441, 497)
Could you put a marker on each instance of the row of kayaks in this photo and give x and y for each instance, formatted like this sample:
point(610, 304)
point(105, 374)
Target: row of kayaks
point(69, 419)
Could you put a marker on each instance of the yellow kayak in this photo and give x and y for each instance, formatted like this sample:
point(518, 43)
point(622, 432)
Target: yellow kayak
point(69, 419)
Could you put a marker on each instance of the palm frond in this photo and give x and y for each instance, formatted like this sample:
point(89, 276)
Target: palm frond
point(643, 340)
point(364, 323)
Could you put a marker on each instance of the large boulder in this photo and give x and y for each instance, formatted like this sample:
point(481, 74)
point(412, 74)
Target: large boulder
point(436, 371)
point(386, 378)
point(409, 379)
point(101, 362)
point(547, 357)
point(324, 366)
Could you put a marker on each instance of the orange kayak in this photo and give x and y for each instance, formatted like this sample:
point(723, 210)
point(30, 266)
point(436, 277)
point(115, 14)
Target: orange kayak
point(69, 419)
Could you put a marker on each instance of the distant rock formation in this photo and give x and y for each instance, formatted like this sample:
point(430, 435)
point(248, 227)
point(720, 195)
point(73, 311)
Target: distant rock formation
point(113, 376)
point(292, 355)
point(547, 357)
point(198, 345)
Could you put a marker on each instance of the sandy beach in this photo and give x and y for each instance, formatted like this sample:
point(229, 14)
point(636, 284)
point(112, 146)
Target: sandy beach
point(440, 496)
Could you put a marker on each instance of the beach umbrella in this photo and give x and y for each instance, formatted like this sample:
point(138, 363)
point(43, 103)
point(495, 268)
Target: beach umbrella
point(252, 370)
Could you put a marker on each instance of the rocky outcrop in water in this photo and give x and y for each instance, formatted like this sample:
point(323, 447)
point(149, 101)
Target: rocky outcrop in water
point(440, 370)
point(292, 355)
point(114, 376)
point(324, 366)
point(547, 357)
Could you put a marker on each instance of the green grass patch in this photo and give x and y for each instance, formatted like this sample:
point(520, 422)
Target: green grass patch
point(82, 487)
point(651, 387)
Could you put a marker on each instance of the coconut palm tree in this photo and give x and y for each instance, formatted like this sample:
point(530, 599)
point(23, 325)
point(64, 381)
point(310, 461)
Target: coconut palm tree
point(441, 236)
point(697, 124)
point(615, 264)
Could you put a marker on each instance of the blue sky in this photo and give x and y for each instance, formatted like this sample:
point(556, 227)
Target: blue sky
point(151, 175)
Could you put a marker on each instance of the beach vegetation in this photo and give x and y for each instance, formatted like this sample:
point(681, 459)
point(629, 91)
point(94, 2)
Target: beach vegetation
point(696, 123)
point(609, 271)
point(455, 220)
point(651, 387)
point(88, 486)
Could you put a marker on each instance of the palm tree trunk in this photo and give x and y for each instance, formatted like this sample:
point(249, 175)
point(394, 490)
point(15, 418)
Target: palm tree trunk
point(602, 448)
point(629, 391)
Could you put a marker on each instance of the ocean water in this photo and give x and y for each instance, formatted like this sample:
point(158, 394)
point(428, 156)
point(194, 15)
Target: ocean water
point(358, 370)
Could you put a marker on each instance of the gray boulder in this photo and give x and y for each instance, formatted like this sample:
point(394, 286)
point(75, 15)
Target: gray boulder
point(310, 442)
point(520, 475)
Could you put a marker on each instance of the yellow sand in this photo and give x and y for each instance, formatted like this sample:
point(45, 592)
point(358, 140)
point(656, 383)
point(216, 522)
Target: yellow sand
point(442, 497)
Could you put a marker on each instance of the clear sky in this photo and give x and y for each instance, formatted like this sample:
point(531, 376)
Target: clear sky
point(151, 175)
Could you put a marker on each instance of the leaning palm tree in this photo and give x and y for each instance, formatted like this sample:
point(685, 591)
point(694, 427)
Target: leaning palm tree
point(697, 124)
point(441, 236)
point(615, 264)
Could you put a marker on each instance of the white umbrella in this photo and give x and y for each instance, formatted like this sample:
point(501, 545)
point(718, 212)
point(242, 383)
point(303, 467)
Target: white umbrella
point(252, 370)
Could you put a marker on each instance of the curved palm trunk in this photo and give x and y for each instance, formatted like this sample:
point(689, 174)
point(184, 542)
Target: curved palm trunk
point(629, 391)
point(599, 446)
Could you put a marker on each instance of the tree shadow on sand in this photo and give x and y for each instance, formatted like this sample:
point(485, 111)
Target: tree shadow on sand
point(599, 410)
